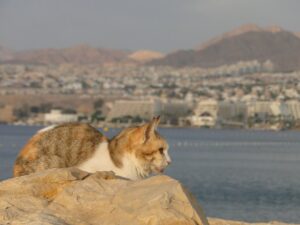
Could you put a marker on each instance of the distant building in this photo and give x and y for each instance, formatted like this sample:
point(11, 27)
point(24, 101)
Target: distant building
point(264, 109)
point(203, 120)
point(294, 109)
point(258, 109)
point(232, 111)
point(7, 113)
point(172, 110)
point(169, 110)
point(144, 109)
point(57, 116)
point(211, 113)
point(271, 112)
point(205, 114)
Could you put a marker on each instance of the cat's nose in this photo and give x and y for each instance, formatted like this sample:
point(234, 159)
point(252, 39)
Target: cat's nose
point(169, 162)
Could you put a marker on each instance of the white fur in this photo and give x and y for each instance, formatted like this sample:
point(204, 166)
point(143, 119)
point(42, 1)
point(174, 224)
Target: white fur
point(168, 158)
point(101, 161)
point(47, 128)
point(166, 154)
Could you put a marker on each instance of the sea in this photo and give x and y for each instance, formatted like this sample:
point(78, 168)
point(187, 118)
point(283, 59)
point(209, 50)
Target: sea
point(252, 176)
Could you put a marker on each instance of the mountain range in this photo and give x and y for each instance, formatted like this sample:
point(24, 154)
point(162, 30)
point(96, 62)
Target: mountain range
point(245, 43)
point(79, 54)
point(248, 42)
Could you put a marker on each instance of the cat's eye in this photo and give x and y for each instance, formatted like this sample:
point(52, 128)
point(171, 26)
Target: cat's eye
point(161, 150)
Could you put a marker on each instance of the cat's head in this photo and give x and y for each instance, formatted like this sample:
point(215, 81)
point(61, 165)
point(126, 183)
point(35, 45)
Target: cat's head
point(148, 150)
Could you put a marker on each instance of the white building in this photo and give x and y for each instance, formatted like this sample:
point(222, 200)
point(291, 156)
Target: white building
point(56, 116)
point(209, 113)
point(277, 110)
point(294, 108)
point(203, 120)
point(205, 114)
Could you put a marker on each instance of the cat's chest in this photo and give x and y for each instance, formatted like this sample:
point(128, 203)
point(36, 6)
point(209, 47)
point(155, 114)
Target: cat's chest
point(101, 161)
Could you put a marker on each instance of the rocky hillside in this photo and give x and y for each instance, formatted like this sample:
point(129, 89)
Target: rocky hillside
point(238, 31)
point(243, 44)
point(80, 54)
point(145, 56)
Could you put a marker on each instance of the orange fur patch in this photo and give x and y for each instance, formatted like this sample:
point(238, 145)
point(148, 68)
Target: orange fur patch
point(17, 170)
point(29, 151)
point(135, 140)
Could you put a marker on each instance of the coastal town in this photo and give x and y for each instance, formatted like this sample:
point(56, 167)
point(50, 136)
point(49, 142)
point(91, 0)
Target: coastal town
point(247, 94)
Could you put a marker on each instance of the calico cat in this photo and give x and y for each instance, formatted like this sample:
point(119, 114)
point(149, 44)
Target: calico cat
point(134, 153)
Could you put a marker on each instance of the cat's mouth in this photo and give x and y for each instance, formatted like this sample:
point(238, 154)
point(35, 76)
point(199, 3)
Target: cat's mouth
point(159, 170)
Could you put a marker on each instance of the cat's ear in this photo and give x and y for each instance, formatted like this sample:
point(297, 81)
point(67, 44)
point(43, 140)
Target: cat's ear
point(151, 128)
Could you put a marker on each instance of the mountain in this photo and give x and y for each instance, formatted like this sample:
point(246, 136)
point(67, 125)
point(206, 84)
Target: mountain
point(80, 54)
point(145, 56)
point(5, 53)
point(246, 43)
point(238, 31)
point(297, 34)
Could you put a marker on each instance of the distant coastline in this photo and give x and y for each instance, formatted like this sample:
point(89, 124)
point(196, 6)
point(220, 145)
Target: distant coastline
point(107, 126)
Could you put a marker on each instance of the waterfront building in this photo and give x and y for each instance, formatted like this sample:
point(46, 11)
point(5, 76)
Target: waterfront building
point(232, 111)
point(211, 113)
point(294, 109)
point(169, 110)
point(205, 114)
point(144, 109)
point(6, 113)
point(275, 113)
point(57, 116)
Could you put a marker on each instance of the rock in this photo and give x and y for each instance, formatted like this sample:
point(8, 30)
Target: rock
point(214, 221)
point(71, 196)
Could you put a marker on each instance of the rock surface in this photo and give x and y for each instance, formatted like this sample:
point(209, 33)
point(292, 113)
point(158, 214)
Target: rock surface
point(71, 196)
point(214, 221)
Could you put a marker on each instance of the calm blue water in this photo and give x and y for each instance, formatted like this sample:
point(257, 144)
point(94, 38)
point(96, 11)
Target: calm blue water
point(242, 175)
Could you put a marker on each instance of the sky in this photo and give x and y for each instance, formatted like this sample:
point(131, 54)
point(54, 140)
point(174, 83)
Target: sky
point(159, 25)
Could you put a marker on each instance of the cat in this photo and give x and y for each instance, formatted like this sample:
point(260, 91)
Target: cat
point(135, 153)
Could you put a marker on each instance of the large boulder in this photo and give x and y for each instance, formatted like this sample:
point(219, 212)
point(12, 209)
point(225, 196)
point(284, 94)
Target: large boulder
point(71, 196)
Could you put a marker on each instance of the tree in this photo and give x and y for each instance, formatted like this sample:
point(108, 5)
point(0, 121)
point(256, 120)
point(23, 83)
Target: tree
point(69, 111)
point(97, 116)
point(98, 103)
point(21, 113)
point(46, 107)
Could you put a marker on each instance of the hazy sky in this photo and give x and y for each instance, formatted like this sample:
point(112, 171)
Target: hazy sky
point(163, 25)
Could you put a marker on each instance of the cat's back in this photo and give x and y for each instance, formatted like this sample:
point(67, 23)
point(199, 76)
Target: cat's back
point(58, 146)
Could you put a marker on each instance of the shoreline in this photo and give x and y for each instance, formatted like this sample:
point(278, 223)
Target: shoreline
point(107, 126)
